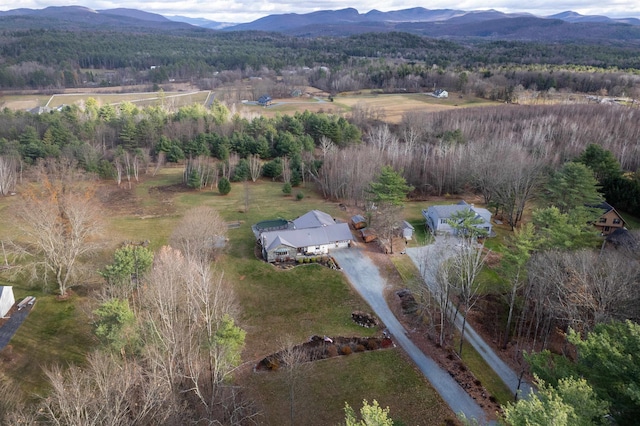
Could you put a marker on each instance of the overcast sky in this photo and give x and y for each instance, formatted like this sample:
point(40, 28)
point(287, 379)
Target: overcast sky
point(249, 10)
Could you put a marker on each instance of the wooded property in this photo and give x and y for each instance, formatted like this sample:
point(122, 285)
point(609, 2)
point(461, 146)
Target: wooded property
point(177, 224)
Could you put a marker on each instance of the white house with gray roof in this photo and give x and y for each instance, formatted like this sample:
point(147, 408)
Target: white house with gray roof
point(313, 233)
point(438, 217)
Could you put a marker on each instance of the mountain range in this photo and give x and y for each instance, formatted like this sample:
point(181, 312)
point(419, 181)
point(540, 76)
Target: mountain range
point(442, 23)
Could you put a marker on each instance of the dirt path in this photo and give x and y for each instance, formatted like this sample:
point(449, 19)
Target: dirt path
point(366, 279)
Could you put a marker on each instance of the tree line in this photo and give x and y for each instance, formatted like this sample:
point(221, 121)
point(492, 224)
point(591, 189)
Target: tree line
point(56, 59)
point(438, 153)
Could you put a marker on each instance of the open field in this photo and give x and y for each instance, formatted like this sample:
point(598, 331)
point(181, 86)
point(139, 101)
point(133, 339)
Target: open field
point(391, 107)
point(275, 304)
point(141, 99)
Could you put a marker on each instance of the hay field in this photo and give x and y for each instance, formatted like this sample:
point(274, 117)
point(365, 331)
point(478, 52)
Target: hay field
point(391, 106)
point(141, 99)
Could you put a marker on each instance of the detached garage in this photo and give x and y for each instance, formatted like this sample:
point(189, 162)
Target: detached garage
point(6, 299)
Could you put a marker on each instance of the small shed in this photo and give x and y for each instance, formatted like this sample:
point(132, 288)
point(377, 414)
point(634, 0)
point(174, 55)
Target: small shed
point(358, 221)
point(7, 300)
point(407, 230)
point(368, 235)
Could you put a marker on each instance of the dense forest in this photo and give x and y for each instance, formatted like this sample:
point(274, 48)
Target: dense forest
point(56, 59)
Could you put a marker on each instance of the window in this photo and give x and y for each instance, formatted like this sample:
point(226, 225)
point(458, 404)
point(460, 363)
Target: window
point(616, 221)
point(281, 252)
point(603, 220)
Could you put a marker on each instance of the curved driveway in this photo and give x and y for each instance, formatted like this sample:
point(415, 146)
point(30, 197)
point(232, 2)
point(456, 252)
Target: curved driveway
point(365, 278)
point(427, 258)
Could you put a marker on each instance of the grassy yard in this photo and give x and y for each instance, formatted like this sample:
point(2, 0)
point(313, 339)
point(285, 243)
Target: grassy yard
point(55, 332)
point(274, 305)
point(320, 396)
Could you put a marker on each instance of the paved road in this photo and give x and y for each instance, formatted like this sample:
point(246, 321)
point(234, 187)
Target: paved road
point(366, 279)
point(426, 259)
point(11, 326)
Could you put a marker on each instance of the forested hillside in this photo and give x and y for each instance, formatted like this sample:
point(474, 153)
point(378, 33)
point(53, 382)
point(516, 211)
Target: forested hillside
point(56, 59)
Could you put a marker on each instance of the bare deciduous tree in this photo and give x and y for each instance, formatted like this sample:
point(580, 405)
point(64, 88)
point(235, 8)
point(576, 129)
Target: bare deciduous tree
point(200, 234)
point(8, 174)
point(105, 392)
point(160, 161)
point(190, 337)
point(59, 220)
point(293, 361)
point(200, 172)
point(286, 169)
point(255, 166)
point(119, 167)
point(464, 268)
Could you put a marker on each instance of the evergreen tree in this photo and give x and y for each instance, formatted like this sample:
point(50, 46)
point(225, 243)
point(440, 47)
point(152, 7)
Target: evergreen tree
point(224, 186)
point(574, 185)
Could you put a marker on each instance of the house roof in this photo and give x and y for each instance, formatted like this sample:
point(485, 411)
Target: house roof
point(358, 218)
point(606, 208)
point(446, 211)
point(313, 219)
point(306, 237)
point(602, 206)
point(407, 225)
point(6, 299)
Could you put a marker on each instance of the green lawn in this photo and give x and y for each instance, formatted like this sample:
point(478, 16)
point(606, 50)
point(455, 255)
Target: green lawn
point(274, 304)
point(55, 332)
point(320, 396)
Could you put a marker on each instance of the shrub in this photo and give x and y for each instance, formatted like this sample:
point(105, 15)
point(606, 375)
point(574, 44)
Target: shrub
point(299, 196)
point(286, 188)
point(272, 363)
point(372, 344)
point(224, 186)
point(360, 348)
point(332, 351)
point(346, 350)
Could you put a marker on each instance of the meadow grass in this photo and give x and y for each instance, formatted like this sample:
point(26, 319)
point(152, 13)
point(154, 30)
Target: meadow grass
point(55, 332)
point(320, 395)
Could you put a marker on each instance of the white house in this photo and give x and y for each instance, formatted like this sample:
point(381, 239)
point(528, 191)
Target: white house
point(7, 299)
point(438, 217)
point(313, 233)
point(440, 93)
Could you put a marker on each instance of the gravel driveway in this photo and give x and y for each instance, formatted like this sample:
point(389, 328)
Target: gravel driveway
point(437, 252)
point(366, 279)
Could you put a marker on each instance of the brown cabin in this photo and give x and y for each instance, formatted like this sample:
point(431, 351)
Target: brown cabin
point(368, 235)
point(610, 220)
point(358, 221)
